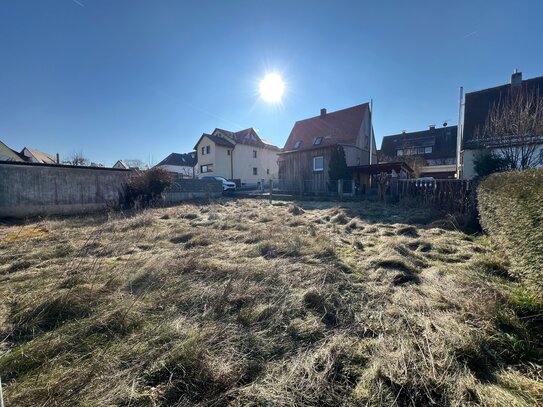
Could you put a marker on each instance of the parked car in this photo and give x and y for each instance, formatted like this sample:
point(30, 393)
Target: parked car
point(226, 184)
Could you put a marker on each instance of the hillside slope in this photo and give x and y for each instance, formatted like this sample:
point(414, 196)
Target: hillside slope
point(246, 303)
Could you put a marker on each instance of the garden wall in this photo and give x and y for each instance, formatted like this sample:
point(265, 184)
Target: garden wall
point(29, 189)
point(511, 212)
point(185, 189)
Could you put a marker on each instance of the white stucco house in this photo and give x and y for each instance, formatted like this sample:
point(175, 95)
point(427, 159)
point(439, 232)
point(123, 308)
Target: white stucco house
point(240, 155)
point(179, 164)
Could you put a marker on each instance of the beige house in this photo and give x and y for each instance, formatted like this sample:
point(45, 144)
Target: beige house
point(241, 155)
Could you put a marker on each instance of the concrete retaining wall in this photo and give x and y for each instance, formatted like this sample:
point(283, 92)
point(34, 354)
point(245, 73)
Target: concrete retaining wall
point(185, 189)
point(28, 189)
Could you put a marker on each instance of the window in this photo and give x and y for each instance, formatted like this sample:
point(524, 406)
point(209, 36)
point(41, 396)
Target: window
point(399, 153)
point(254, 153)
point(208, 149)
point(427, 150)
point(228, 152)
point(255, 171)
point(297, 144)
point(268, 170)
point(317, 141)
point(318, 163)
point(203, 150)
point(204, 168)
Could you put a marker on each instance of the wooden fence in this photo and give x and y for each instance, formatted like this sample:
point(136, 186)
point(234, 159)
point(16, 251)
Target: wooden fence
point(452, 195)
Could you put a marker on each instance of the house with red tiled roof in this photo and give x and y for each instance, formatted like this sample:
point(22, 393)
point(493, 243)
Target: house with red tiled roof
point(305, 158)
point(241, 155)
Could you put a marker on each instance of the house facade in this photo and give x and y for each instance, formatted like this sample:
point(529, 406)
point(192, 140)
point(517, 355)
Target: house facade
point(436, 146)
point(182, 165)
point(241, 155)
point(477, 107)
point(305, 159)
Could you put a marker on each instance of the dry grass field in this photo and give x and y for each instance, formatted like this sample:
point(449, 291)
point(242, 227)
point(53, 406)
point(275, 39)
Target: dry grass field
point(243, 303)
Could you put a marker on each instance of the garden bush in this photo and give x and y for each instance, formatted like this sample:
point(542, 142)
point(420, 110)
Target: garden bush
point(511, 212)
point(145, 188)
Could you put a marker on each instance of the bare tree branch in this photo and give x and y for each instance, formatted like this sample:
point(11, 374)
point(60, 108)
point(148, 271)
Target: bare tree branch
point(514, 127)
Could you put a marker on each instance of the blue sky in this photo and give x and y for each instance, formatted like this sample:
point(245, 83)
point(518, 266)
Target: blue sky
point(140, 79)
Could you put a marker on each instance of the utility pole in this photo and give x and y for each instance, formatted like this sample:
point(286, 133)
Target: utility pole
point(371, 130)
point(459, 135)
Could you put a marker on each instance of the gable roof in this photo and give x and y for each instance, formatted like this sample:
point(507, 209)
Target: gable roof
point(339, 127)
point(478, 104)
point(181, 160)
point(40, 156)
point(246, 136)
point(121, 164)
point(442, 141)
point(221, 141)
point(9, 154)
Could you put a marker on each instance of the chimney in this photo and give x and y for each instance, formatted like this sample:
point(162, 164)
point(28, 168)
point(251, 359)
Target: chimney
point(323, 113)
point(516, 78)
point(432, 127)
point(58, 159)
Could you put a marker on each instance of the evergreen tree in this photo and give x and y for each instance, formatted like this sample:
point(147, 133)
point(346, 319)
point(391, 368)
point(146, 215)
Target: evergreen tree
point(337, 167)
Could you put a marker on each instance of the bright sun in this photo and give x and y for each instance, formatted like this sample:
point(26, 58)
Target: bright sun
point(272, 88)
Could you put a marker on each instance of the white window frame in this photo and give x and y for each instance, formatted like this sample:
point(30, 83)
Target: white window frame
point(315, 162)
point(255, 170)
point(254, 154)
point(203, 150)
point(208, 149)
point(428, 150)
point(207, 169)
point(297, 144)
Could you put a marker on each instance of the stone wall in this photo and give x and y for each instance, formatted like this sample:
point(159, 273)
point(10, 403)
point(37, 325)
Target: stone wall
point(28, 189)
point(185, 189)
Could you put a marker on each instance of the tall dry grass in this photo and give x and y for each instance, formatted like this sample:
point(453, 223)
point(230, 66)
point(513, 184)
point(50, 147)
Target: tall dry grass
point(245, 303)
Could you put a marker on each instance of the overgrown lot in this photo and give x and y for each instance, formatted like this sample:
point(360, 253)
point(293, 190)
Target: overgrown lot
point(245, 303)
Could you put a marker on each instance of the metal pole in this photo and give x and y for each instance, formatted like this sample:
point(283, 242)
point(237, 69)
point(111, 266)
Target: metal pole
point(371, 129)
point(1, 395)
point(459, 135)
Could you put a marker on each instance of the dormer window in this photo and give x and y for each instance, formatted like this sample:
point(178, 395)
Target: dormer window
point(317, 141)
point(297, 144)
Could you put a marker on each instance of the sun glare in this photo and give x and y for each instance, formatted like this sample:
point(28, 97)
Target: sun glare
point(272, 88)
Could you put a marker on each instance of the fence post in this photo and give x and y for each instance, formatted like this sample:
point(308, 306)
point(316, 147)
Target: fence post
point(271, 190)
point(394, 189)
point(340, 188)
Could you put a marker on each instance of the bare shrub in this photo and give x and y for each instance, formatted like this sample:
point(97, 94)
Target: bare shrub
point(146, 188)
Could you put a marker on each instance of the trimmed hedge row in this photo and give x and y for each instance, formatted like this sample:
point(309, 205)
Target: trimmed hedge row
point(511, 211)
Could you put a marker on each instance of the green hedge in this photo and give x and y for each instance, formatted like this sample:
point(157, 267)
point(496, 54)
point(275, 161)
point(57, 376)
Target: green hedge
point(511, 211)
